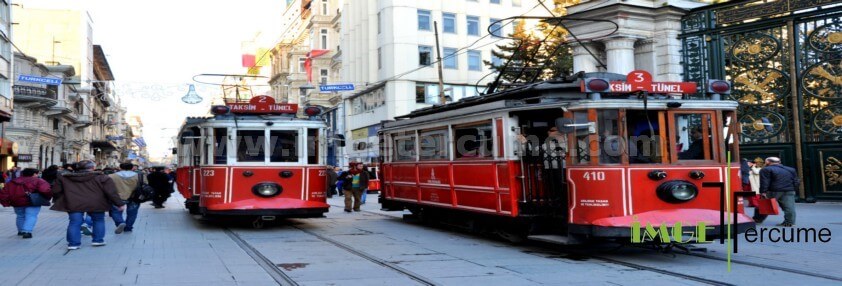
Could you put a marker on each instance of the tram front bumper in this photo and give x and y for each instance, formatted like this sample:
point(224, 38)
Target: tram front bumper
point(689, 220)
point(269, 206)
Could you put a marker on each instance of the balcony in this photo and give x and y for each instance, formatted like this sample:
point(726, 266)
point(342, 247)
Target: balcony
point(82, 121)
point(60, 109)
point(35, 95)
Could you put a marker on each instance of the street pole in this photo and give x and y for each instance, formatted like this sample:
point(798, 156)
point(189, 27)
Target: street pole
point(438, 58)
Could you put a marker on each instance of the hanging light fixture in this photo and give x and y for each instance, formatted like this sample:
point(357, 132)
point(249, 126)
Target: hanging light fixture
point(192, 97)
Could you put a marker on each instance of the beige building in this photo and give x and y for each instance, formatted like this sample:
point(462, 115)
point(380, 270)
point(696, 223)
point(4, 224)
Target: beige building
point(65, 37)
point(310, 27)
point(47, 124)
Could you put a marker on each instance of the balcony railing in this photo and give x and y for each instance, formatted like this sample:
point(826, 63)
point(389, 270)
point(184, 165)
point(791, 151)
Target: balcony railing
point(33, 91)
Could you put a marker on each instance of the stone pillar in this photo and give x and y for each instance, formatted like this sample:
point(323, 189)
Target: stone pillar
point(620, 54)
point(584, 61)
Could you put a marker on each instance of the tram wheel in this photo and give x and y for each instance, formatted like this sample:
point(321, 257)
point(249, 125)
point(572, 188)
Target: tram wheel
point(192, 207)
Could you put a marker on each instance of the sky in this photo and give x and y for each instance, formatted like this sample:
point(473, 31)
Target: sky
point(155, 47)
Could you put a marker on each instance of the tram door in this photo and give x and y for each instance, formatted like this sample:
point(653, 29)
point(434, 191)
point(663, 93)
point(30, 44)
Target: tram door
point(543, 148)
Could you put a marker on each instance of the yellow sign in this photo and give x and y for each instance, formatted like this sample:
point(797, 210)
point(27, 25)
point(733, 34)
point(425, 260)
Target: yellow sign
point(359, 133)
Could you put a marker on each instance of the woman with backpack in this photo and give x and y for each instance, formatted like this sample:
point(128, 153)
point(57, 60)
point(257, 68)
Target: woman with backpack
point(27, 194)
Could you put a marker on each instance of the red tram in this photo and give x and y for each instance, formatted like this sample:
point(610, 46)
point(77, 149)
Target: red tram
point(581, 158)
point(253, 158)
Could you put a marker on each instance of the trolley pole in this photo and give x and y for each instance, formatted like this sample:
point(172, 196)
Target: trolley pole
point(438, 58)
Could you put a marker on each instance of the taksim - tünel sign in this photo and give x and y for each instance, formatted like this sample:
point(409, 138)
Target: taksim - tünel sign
point(262, 105)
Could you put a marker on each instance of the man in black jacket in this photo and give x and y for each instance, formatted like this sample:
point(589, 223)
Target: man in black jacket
point(161, 183)
point(779, 182)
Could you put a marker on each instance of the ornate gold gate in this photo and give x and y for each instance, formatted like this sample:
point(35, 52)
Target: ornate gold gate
point(784, 59)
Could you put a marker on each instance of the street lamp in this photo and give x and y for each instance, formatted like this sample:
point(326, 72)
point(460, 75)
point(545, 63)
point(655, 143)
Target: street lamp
point(192, 97)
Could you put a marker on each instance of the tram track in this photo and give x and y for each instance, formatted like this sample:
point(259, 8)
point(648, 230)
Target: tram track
point(276, 273)
point(283, 279)
point(766, 266)
point(625, 264)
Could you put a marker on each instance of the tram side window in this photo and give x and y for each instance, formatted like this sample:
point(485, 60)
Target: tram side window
point(694, 136)
point(312, 146)
point(250, 145)
point(610, 145)
point(405, 148)
point(644, 140)
point(220, 145)
point(285, 145)
point(433, 145)
point(473, 141)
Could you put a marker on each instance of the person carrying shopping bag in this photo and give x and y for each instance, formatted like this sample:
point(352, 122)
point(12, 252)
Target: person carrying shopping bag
point(27, 194)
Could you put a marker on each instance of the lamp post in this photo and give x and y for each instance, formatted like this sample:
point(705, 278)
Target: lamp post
point(54, 51)
point(303, 92)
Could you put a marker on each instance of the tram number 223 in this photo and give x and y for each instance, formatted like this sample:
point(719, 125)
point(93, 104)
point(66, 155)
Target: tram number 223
point(594, 176)
point(207, 173)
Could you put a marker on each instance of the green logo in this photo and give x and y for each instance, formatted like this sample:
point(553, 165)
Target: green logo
point(662, 233)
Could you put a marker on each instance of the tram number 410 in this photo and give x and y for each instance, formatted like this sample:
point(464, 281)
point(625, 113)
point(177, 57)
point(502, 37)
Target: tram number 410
point(594, 176)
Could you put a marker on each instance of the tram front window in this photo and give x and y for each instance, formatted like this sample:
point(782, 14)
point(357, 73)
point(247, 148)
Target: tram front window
point(250, 145)
point(644, 133)
point(693, 136)
point(610, 145)
point(284, 145)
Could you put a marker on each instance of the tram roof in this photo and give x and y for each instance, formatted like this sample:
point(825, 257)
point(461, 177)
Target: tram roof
point(549, 94)
point(247, 118)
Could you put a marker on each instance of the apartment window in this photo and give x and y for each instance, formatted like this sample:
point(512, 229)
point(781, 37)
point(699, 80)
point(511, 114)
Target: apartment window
point(324, 7)
point(474, 60)
point(449, 20)
point(301, 67)
point(379, 23)
point(496, 28)
point(494, 1)
point(496, 61)
point(379, 58)
point(424, 20)
point(323, 33)
point(425, 55)
point(323, 76)
point(473, 25)
point(420, 93)
point(450, 58)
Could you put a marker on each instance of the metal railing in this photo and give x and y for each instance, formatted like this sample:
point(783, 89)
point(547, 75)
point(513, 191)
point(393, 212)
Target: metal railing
point(25, 90)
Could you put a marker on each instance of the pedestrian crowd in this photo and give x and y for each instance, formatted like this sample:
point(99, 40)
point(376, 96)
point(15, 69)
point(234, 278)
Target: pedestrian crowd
point(85, 193)
point(353, 184)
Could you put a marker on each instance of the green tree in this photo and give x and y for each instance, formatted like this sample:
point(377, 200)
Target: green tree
point(530, 58)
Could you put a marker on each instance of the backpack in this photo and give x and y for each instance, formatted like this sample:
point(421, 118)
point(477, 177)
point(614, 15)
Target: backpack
point(143, 192)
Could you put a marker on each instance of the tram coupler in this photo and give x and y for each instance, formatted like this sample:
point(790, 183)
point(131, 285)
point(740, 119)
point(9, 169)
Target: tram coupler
point(267, 218)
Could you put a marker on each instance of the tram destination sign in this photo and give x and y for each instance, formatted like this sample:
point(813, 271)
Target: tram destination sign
point(262, 105)
point(655, 87)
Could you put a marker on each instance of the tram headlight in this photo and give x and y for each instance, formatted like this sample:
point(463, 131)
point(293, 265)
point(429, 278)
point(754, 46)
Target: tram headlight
point(266, 189)
point(677, 191)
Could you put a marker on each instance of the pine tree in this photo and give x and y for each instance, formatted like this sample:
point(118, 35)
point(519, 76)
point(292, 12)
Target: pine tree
point(526, 55)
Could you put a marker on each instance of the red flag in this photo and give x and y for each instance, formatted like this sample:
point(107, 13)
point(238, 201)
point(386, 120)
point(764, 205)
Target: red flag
point(248, 61)
point(308, 62)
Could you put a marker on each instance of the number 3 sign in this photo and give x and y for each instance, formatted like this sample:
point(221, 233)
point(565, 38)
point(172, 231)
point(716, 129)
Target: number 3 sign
point(639, 80)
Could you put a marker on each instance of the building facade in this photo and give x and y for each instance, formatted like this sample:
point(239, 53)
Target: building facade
point(6, 79)
point(46, 123)
point(65, 38)
point(303, 59)
point(392, 65)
